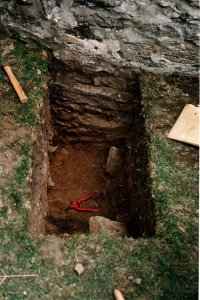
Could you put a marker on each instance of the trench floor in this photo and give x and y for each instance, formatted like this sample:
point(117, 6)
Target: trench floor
point(76, 172)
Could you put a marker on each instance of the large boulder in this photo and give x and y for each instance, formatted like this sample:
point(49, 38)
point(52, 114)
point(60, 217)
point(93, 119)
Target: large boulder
point(100, 225)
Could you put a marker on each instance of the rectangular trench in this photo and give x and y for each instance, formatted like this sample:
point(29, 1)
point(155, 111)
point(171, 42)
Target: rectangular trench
point(99, 146)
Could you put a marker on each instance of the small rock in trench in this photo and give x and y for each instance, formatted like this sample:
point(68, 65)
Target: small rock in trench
point(114, 161)
point(52, 149)
point(50, 182)
point(100, 225)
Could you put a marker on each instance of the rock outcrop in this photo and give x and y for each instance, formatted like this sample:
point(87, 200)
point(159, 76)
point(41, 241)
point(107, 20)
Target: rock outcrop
point(158, 36)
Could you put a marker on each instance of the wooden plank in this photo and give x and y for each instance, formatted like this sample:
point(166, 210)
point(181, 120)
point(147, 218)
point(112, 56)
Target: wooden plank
point(186, 128)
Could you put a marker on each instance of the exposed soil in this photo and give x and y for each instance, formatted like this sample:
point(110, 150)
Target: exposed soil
point(76, 172)
point(103, 109)
point(79, 169)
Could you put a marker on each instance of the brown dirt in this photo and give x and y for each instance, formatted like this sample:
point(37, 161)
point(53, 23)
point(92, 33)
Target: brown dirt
point(76, 172)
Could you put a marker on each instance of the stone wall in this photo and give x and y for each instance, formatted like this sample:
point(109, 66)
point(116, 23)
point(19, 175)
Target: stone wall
point(158, 36)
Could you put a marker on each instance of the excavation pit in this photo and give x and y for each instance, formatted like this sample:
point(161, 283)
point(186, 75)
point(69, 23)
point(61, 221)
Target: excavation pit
point(76, 172)
point(99, 148)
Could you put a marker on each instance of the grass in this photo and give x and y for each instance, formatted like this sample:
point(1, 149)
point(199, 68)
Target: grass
point(18, 187)
point(175, 190)
point(31, 73)
point(175, 195)
point(167, 263)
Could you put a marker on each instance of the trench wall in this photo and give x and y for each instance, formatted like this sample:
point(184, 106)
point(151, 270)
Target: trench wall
point(92, 106)
point(40, 173)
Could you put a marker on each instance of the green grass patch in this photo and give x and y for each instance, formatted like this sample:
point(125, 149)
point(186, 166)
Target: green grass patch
point(31, 71)
point(18, 188)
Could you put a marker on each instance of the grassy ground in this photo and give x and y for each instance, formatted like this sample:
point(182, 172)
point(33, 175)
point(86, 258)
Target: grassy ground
point(162, 267)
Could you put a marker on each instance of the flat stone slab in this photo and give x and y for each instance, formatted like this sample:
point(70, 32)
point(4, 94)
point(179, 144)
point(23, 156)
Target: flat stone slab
point(115, 161)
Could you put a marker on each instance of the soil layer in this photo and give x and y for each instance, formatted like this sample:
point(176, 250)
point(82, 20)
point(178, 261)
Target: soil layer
point(76, 172)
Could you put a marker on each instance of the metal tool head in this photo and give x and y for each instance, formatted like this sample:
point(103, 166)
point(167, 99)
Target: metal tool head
point(8, 62)
point(68, 208)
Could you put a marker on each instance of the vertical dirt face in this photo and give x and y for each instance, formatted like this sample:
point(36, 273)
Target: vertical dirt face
point(142, 222)
point(99, 140)
point(92, 106)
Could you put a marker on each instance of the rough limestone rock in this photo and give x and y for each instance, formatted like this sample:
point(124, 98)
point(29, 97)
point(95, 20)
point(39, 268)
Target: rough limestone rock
point(159, 36)
point(100, 225)
point(115, 161)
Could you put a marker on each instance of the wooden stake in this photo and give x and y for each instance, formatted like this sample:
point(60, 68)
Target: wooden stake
point(118, 295)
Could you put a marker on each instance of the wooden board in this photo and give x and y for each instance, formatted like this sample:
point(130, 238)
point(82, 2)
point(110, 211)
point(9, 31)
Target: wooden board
point(186, 128)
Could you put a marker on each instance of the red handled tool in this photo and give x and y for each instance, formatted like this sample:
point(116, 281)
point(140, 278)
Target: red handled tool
point(77, 205)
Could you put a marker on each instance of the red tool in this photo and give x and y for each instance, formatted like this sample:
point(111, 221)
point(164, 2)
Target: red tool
point(77, 205)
